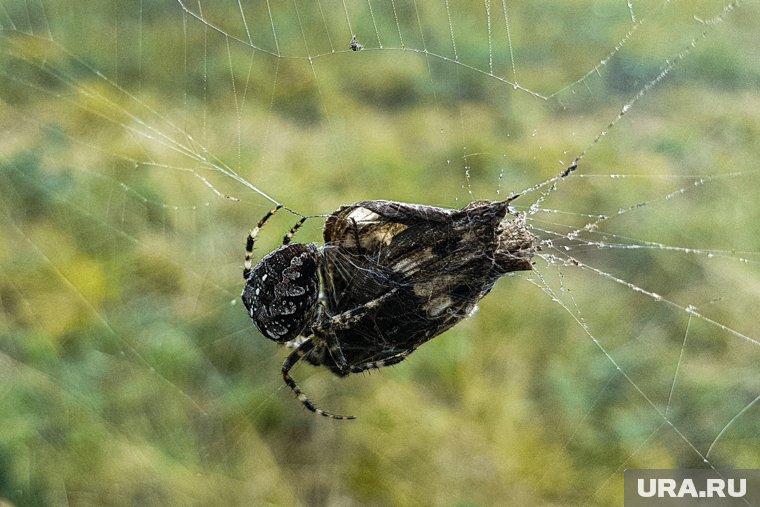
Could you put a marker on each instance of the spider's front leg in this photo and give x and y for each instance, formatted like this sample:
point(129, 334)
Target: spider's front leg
point(322, 331)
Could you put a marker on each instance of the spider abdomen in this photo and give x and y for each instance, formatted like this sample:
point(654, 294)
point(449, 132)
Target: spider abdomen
point(281, 292)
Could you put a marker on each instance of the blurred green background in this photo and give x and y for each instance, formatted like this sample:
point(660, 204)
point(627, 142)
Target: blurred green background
point(129, 371)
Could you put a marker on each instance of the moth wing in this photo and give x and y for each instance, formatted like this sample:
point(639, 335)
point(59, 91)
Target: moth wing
point(374, 224)
point(373, 246)
point(439, 261)
point(361, 261)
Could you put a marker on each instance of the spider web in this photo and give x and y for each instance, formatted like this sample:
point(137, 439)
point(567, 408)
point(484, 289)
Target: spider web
point(142, 140)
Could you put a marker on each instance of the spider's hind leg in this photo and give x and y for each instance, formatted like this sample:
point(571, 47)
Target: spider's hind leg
point(291, 361)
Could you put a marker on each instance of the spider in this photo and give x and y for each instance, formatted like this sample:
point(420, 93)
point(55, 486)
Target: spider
point(355, 45)
point(389, 277)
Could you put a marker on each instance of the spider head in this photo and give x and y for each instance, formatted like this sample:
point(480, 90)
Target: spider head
point(281, 292)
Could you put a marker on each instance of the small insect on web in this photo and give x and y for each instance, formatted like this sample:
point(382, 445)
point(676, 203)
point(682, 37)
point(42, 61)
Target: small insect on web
point(393, 276)
point(355, 45)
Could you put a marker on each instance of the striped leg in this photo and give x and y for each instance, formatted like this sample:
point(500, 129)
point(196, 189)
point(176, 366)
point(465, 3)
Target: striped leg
point(336, 352)
point(252, 238)
point(326, 329)
point(371, 365)
point(289, 235)
point(291, 361)
point(348, 318)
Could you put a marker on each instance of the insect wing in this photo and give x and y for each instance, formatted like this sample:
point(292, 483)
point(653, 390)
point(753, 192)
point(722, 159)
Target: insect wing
point(409, 243)
point(360, 256)
point(438, 262)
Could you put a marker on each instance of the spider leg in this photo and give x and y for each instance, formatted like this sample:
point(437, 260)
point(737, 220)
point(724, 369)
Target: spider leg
point(346, 319)
point(335, 351)
point(327, 327)
point(323, 332)
point(358, 368)
point(289, 235)
point(291, 361)
point(252, 238)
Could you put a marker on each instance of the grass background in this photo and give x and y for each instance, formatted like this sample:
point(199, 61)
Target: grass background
point(129, 372)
